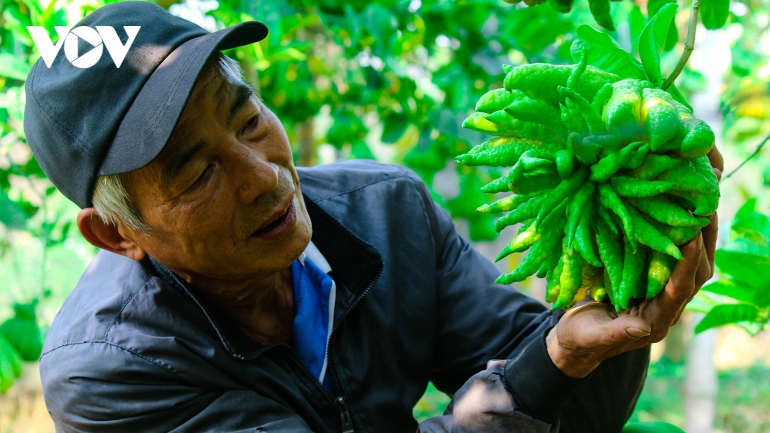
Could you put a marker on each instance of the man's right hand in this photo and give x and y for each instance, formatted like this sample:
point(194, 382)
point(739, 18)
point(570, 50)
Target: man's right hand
point(589, 335)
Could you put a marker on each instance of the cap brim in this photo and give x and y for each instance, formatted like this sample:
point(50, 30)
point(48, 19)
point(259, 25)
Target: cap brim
point(149, 122)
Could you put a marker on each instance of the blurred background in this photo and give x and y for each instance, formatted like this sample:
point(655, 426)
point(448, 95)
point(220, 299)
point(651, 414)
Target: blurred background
point(392, 80)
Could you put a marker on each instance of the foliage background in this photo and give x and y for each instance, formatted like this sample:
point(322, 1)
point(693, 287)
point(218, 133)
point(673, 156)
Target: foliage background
point(390, 80)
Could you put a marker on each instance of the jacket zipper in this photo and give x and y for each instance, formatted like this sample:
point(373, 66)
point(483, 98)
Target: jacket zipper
point(347, 421)
point(368, 288)
point(340, 402)
point(345, 415)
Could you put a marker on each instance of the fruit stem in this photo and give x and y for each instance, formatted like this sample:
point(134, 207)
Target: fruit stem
point(689, 45)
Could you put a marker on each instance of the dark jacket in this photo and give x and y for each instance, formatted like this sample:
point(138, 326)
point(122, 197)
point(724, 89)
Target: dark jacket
point(134, 349)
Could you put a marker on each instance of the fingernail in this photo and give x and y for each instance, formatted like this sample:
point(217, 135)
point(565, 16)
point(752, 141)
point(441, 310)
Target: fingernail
point(637, 333)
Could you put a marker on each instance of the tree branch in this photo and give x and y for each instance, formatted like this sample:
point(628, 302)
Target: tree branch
point(756, 152)
point(689, 45)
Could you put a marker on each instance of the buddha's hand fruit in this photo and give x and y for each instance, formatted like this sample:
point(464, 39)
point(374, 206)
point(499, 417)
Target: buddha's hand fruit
point(609, 176)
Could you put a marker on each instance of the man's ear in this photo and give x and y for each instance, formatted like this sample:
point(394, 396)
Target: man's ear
point(107, 236)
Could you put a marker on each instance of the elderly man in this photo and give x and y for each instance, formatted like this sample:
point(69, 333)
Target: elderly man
point(227, 299)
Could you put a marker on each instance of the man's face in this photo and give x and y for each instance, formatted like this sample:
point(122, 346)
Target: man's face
point(223, 199)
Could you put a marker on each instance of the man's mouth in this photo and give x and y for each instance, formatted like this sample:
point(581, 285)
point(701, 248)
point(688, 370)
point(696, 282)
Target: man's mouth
point(279, 226)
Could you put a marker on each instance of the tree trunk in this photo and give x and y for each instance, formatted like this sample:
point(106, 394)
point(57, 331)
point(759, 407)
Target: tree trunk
point(251, 76)
point(700, 385)
point(673, 345)
point(701, 381)
point(304, 132)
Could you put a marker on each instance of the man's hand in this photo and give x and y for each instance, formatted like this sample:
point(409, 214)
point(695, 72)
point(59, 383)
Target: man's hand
point(587, 336)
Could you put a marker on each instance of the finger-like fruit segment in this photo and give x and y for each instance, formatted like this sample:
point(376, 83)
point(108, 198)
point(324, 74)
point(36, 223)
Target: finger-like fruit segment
point(608, 176)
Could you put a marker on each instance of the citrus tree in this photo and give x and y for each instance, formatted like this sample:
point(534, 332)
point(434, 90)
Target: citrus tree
point(391, 80)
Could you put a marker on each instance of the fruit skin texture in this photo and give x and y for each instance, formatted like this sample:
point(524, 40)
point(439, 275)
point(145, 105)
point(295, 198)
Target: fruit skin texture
point(22, 332)
point(661, 119)
point(623, 112)
point(660, 268)
point(541, 81)
point(609, 177)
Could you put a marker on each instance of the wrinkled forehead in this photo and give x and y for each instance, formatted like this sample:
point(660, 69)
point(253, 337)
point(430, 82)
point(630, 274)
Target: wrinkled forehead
point(219, 82)
point(219, 93)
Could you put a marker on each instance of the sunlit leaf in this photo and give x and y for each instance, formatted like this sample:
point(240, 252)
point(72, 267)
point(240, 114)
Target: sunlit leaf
point(13, 67)
point(732, 289)
point(651, 427)
point(287, 54)
point(653, 6)
point(652, 41)
point(635, 25)
point(748, 207)
point(382, 24)
point(753, 328)
point(12, 215)
point(360, 150)
point(703, 302)
point(745, 262)
point(753, 227)
point(727, 314)
point(353, 24)
point(393, 127)
point(10, 99)
point(692, 80)
point(534, 29)
point(605, 53)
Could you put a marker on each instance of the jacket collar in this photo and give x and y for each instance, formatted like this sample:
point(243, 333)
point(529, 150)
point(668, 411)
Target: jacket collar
point(355, 267)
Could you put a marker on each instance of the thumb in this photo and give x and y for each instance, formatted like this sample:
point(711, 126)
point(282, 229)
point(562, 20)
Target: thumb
point(627, 328)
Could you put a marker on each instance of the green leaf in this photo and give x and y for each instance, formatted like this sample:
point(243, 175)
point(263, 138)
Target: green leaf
point(653, 40)
point(360, 150)
point(751, 225)
point(651, 427)
point(635, 25)
point(653, 6)
point(346, 128)
point(11, 213)
point(12, 364)
point(353, 24)
point(753, 328)
point(605, 53)
point(10, 99)
point(381, 24)
point(735, 290)
point(714, 13)
point(727, 314)
point(745, 262)
point(13, 67)
point(393, 127)
point(286, 54)
point(703, 302)
point(748, 207)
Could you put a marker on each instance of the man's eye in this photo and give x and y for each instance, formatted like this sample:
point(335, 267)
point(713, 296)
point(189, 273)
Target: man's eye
point(251, 125)
point(203, 177)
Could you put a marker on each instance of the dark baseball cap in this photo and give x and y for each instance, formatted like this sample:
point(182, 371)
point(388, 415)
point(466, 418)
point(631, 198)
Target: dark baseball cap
point(102, 120)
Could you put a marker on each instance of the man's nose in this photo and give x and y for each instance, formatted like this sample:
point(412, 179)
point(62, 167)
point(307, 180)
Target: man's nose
point(255, 175)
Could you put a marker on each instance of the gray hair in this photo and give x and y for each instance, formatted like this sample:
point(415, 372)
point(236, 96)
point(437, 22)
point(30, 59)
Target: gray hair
point(111, 199)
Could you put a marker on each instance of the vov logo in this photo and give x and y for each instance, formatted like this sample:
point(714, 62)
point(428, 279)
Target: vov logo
point(103, 36)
